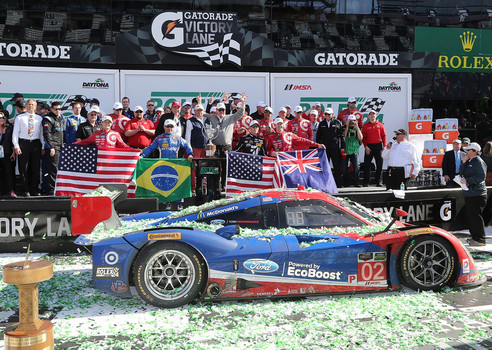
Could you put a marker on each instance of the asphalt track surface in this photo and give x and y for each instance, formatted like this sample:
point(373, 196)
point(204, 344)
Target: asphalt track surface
point(85, 318)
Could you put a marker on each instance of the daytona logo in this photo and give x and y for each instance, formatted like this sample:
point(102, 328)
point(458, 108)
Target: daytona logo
point(297, 87)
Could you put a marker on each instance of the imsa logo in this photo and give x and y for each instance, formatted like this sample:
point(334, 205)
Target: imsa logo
point(297, 87)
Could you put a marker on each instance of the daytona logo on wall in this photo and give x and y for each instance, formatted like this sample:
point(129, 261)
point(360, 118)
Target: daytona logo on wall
point(207, 35)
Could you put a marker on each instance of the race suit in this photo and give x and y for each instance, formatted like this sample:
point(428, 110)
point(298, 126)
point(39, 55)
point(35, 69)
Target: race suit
point(344, 113)
point(101, 138)
point(251, 144)
point(300, 127)
point(168, 145)
point(287, 141)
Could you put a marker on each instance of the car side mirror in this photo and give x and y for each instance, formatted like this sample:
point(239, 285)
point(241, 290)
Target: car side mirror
point(399, 213)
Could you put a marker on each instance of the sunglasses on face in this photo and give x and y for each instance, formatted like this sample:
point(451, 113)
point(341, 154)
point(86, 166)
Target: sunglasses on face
point(139, 112)
point(119, 109)
point(2, 117)
point(187, 107)
point(93, 114)
point(150, 105)
point(57, 109)
point(221, 109)
point(169, 126)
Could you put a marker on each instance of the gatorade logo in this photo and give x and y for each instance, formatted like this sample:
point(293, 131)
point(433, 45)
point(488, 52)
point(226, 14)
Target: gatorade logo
point(418, 126)
point(445, 135)
point(433, 159)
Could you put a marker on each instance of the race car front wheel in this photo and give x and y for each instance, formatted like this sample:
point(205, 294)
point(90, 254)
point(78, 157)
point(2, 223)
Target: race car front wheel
point(428, 263)
point(169, 274)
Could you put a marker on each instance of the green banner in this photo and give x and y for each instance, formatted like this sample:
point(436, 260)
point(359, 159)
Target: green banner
point(167, 179)
point(461, 49)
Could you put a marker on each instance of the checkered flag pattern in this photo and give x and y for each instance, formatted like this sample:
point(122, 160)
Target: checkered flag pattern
point(214, 55)
point(256, 50)
point(373, 103)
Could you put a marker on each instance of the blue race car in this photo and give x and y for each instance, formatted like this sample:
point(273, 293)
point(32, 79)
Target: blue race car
point(356, 251)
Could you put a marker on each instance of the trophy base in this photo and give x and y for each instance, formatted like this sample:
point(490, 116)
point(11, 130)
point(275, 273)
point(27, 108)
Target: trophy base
point(210, 150)
point(41, 338)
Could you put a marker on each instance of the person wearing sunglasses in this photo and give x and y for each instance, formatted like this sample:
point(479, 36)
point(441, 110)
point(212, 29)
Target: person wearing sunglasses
point(86, 129)
point(473, 171)
point(350, 110)
point(119, 120)
point(150, 112)
point(7, 157)
point(53, 136)
point(72, 123)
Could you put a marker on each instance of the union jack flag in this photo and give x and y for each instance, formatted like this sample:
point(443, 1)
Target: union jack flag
point(308, 168)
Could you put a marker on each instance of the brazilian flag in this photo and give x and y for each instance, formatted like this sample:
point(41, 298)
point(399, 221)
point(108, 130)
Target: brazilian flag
point(167, 179)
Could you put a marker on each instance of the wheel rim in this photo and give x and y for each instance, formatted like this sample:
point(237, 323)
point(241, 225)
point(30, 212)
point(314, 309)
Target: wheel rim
point(169, 274)
point(429, 263)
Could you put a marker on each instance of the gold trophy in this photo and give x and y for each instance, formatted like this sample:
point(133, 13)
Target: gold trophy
point(31, 332)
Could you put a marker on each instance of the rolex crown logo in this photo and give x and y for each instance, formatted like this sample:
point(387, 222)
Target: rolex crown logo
point(467, 40)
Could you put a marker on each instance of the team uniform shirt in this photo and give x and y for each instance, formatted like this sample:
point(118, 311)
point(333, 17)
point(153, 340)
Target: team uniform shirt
point(71, 125)
point(119, 124)
point(287, 141)
point(86, 129)
point(21, 129)
point(300, 127)
point(53, 131)
point(241, 123)
point(403, 154)
point(373, 133)
point(252, 144)
point(141, 138)
point(168, 145)
point(101, 138)
point(344, 113)
point(264, 123)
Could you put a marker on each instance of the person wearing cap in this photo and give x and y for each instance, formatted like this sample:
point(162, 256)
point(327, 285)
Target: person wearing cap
point(315, 107)
point(127, 112)
point(175, 115)
point(473, 171)
point(241, 127)
point(16, 97)
point(42, 109)
point(159, 112)
point(100, 114)
point(186, 110)
point(330, 134)
point(53, 137)
point(403, 161)
point(28, 140)
point(252, 143)
point(119, 120)
point(139, 131)
point(168, 144)
point(233, 106)
point(374, 139)
point(260, 109)
point(282, 113)
point(451, 164)
point(350, 110)
point(353, 140)
point(289, 115)
point(266, 123)
point(105, 137)
point(300, 126)
point(72, 123)
point(87, 129)
point(150, 112)
point(284, 141)
point(313, 119)
point(464, 143)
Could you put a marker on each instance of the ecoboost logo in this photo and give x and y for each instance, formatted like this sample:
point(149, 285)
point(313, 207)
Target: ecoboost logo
point(99, 83)
point(391, 87)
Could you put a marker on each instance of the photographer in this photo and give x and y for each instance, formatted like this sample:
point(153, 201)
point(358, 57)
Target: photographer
point(353, 140)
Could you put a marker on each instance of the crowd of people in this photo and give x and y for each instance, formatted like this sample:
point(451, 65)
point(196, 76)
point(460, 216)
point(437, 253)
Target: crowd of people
point(183, 130)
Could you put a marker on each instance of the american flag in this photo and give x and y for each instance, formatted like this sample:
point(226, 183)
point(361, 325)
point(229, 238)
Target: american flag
point(248, 172)
point(83, 168)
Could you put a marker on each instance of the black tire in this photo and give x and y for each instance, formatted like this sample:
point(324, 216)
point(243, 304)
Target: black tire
point(428, 263)
point(169, 274)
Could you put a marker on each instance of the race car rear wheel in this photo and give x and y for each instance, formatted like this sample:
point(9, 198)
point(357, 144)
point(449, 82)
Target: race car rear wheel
point(169, 274)
point(428, 263)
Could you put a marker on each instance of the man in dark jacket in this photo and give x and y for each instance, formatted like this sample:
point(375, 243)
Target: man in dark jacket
point(330, 134)
point(451, 163)
point(53, 136)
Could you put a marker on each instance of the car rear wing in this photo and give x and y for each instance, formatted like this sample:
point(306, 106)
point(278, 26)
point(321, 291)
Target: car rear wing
point(95, 207)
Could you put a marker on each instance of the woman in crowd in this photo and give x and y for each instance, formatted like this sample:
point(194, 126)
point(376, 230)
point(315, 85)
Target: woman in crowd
point(7, 157)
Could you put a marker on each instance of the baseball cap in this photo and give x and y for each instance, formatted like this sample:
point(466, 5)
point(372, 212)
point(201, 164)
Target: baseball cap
point(187, 103)
point(466, 139)
point(475, 146)
point(16, 95)
point(401, 131)
point(351, 99)
point(107, 117)
point(283, 109)
point(140, 108)
point(298, 109)
point(373, 111)
point(95, 101)
point(160, 109)
point(457, 141)
point(315, 112)
point(237, 96)
point(197, 107)
point(261, 104)
point(329, 110)
point(220, 106)
point(169, 122)
point(351, 117)
point(176, 104)
point(317, 104)
point(278, 120)
point(253, 122)
point(269, 109)
point(213, 109)
point(287, 106)
point(117, 105)
point(95, 109)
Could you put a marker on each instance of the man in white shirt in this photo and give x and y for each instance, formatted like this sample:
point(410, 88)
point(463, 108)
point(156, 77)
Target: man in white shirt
point(403, 161)
point(27, 138)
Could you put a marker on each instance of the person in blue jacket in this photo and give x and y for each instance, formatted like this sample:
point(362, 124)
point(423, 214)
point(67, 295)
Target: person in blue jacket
point(168, 144)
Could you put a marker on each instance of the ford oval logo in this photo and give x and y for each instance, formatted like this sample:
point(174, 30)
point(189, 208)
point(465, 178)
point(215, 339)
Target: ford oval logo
point(260, 265)
point(217, 222)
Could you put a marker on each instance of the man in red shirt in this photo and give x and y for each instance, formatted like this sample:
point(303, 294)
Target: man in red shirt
point(140, 131)
point(300, 126)
point(351, 110)
point(119, 120)
point(283, 141)
point(374, 139)
point(266, 126)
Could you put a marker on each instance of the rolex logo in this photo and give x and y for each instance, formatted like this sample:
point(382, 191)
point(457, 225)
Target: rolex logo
point(467, 40)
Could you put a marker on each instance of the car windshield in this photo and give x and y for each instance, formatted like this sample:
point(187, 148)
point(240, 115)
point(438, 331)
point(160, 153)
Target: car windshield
point(368, 214)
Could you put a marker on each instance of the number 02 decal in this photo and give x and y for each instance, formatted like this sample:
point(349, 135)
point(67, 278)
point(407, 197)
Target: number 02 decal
point(372, 271)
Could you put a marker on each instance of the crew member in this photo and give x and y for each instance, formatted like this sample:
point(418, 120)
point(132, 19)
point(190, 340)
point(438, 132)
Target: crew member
point(374, 139)
point(252, 143)
point(105, 137)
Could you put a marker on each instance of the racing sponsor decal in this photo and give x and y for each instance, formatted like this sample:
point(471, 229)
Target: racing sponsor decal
point(107, 272)
point(221, 211)
point(119, 287)
point(420, 231)
point(217, 222)
point(445, 212)
point(98, 83)
point(370, 271)
point(111, 258)
point(163, 235)
point(311, 271)
point(267, 199)
point(260, 265)
point(466, 265)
